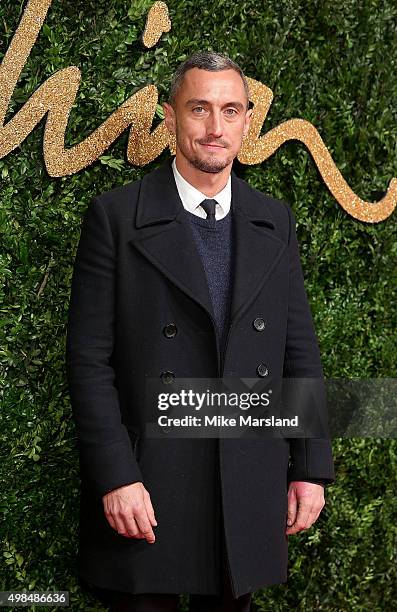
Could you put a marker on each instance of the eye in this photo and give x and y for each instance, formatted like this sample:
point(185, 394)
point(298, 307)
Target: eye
point(197, 110)
point(231, 112)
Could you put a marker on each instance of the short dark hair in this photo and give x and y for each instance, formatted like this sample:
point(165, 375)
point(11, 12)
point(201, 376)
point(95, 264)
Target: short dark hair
point(205, 60)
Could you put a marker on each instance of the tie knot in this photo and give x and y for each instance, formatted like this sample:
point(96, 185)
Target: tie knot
point(209, 207)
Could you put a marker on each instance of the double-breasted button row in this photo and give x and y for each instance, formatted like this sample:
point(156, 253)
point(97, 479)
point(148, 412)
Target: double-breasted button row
point(259, 324)
point(170, 330)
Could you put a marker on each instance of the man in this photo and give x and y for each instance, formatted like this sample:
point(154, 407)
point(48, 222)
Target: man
point(189, 273)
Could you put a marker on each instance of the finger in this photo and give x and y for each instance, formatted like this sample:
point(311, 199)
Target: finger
point(149, 508)
point(313, 516)
point(301, 518)
point(304, 510)
point(112, 514)
point(131, 527)
point(119, 521)
point(295, 528)
point(292, 507)
point(143, 523)
point(125, 523)
point(128, 516)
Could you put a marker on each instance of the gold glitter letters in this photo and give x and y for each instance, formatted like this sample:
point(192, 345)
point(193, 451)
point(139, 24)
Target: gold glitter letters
point(56, 96)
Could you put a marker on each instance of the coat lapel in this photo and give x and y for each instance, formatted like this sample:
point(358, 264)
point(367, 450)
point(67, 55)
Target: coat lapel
point(258, 249)
point(164, 236)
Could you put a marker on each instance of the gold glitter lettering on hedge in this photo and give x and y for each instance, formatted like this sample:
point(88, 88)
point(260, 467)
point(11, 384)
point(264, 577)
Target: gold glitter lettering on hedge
point(157, 23)
point(256, 149)
point(56, 96)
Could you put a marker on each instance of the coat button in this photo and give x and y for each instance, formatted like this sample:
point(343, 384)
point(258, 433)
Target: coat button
point(262, 369)
point(170, 330)
point(167, 377)
point(259, 324)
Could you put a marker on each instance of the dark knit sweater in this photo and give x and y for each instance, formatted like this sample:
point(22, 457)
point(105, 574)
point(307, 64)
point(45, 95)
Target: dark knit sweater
point(216, 248)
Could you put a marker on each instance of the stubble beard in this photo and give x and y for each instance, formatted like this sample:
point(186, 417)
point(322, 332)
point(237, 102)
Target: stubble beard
point(211, 165)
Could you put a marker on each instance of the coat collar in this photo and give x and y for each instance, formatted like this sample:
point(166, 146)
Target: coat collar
point(163, 235)
point(159, 199)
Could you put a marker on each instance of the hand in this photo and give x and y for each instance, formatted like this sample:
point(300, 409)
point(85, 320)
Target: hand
point(129, 511)
point(305, 502)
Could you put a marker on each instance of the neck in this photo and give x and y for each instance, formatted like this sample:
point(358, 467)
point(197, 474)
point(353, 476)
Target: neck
point(209, 183)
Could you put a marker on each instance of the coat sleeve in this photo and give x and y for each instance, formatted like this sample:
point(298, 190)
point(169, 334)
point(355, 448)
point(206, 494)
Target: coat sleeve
point(107, 460)
point(310, 458)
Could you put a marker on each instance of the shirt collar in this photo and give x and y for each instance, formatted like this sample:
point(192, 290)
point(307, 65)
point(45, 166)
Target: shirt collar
point(192, 197)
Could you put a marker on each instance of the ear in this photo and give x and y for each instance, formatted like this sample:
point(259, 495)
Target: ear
point(169, 117)
point(248, 117)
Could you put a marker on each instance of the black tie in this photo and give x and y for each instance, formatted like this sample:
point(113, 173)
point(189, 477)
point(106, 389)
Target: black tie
point(209, 207)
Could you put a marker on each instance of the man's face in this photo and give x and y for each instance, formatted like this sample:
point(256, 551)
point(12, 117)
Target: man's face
point(209, 118)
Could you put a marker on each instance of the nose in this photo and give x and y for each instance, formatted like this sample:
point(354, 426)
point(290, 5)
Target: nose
point(214, 125)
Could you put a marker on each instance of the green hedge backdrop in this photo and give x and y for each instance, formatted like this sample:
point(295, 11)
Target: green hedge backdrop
point(333, 63)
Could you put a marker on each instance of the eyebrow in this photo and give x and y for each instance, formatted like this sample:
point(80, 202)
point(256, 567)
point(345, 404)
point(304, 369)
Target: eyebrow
point(206, 102)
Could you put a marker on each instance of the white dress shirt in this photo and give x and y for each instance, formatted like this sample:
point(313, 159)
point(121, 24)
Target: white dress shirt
point(192, 197)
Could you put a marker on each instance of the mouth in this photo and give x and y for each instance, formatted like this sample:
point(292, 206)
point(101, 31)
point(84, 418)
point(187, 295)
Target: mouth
point(212, 146)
